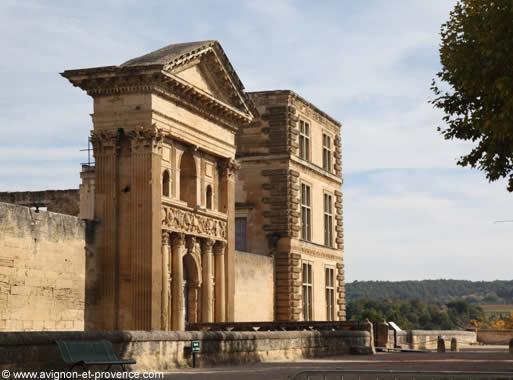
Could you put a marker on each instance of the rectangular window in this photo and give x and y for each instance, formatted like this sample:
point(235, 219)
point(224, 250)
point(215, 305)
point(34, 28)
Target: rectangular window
point(306, 213)
point(241, 225)
point(304, 140)
point(330, 294)
point(307, 292)
point(328, 220)
point(327, 153)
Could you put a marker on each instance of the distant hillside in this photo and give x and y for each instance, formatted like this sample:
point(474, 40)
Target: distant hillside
point(432, 291)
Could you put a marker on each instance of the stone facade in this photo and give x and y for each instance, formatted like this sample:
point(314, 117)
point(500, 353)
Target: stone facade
point(274, 168)
point(164, 188)
point(42, 268)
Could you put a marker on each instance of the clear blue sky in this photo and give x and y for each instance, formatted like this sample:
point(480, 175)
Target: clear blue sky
point(410, 212)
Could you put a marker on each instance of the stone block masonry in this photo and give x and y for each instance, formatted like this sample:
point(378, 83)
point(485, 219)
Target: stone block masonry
point(42, 270)
point(61, 201)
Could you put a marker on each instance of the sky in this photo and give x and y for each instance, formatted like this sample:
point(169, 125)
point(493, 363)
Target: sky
point(410, 212)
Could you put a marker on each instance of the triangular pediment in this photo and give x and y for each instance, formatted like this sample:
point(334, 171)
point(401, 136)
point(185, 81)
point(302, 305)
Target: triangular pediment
point(204, 66)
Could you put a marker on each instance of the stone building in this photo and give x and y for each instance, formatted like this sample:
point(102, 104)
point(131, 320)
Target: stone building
point(167, 197)
point(289, 199)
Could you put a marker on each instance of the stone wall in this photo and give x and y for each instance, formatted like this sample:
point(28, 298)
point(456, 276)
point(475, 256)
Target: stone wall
point(42, 264)
point(427, 339)
point(254, 287)
point(160, 351)
point(61, 201)
point(494, 336)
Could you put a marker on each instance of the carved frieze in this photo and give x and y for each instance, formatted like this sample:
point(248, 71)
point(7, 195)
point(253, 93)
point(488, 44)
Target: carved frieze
point(192, 223)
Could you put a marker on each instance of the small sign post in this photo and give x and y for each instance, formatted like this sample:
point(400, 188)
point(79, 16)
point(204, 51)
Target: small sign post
point(195, 348)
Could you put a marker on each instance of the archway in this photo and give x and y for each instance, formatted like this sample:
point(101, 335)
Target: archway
point(191, 289)
point(165, 183)
point(188, 179)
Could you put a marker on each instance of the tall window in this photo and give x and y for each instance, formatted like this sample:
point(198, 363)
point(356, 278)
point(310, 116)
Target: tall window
point(306, 213)
point(241, 241)
point(328, 220)
point(208, 196)
point(330, 294)
point(304, 140)
point(327, 153)
point(165, 183)
point(307, 292)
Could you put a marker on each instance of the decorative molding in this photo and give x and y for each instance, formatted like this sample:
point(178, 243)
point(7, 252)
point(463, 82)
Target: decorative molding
point(316, 252)
point(192, 223)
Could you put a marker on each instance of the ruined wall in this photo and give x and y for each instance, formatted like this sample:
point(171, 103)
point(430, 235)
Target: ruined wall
point(61, 201)
point(42, 264)
point(254, 287)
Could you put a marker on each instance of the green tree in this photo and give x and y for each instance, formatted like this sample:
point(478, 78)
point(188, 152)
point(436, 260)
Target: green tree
point(474, 88)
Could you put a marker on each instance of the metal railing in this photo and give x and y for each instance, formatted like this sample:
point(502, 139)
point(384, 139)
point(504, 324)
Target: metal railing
point(398, 375)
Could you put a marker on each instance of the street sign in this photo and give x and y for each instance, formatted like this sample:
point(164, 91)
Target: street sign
point(196, 346)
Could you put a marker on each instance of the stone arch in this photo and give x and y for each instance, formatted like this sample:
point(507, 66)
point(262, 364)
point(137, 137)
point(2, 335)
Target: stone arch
point(188, 179)
point(192, 284)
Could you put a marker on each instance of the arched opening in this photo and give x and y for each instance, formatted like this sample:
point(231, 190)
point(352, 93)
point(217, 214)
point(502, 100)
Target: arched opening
point(165, 183)
point(208, 196)
point(191, 289)
point(188, 179)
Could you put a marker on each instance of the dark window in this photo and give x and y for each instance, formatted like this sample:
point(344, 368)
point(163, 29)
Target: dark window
point(241, 225)
point(165, 184)
point(327, 153)
point(306, 213)
point(330, 294)
point(304, 140)
point(328, 220)
point(208, 196)
point(307, 292)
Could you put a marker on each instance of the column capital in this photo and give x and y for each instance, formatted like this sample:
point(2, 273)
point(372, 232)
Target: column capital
point(106, 141)
point(190, 242)
point(228, 167)
point(177, 239)
point(219, 247)
point(146, 138)
point(165, 238)
point(207, 244)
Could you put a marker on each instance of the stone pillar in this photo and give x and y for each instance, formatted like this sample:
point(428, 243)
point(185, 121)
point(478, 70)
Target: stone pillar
point(164, 315)
point(194, 289)
point(227, 205)
point(207, 296)
point(178, 251)
point(220, 308)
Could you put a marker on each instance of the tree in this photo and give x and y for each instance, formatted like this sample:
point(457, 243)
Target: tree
point(474, 88)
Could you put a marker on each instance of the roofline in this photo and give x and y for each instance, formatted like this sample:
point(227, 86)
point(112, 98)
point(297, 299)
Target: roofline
point(296, 95)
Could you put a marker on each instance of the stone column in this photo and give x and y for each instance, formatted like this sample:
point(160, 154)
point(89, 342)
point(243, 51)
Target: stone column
point(178, 313)
point(207, 288)
point(220, 309)
point(194, 288)
point(164, 314)
point(227, 205)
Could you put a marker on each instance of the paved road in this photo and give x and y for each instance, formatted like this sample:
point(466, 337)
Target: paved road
point(475, 359)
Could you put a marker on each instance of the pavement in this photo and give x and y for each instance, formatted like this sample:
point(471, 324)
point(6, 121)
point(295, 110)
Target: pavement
point(475, 358)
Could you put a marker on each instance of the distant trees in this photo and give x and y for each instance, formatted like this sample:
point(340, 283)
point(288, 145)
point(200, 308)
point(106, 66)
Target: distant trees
point(415, 314)
point(475, 85)
point(433, 291)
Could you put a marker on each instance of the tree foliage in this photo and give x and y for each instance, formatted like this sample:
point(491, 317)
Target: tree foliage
point(415, 314)
point(433, 291)
point(475, 85)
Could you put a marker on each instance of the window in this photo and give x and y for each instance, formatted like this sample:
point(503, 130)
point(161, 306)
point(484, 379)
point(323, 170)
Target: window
point(306, 213)
point(327, 154)
point(208, 196)
point(304, 140)
point(328, 220)
point(241, 224)
point(307, 292)
point(330, 294)
point(165, 183)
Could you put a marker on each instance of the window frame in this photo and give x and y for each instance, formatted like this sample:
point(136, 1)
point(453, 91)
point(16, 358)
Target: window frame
point(245, 244)
point(328, 218)
point(166, 187)
point(307, 290)
point(306, 211)
point(327, 151)
point(329, 291)
point(305, 132)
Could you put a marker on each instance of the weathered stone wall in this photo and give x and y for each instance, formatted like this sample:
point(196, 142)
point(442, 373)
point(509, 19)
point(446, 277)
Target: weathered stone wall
point(427, 339)
point(42, 264)
point(494, 336)
point(254, 287)
point(61, 201)
point(160, 351)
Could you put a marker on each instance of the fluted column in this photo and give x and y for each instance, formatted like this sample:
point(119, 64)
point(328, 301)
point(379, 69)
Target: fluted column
point(178, 314)
point(207, 289)
point(164, 314)
point(220, 309)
